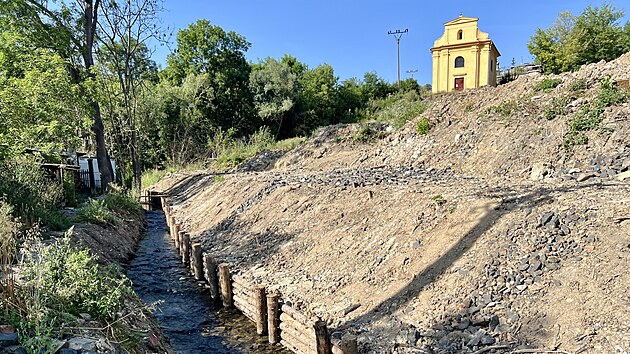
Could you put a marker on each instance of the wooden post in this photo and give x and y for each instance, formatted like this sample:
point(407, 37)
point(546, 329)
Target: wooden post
point(273, 318)
point(323, 338)
point(349, 344)
point(261, 310)
point(197, 261)
point(185, 248)
point(226, 285)
point(210, 269)
point(177, 230)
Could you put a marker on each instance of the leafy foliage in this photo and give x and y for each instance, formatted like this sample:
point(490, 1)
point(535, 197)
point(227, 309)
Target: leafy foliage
point(34, 196)
point(423, 126)
point(40, 106)
point(547, 85)
point(118, 199)
point(572, 41)
point(590, 117)
point(95, 212)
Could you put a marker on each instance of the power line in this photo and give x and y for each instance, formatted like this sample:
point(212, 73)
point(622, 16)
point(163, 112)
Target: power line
point(398, 34)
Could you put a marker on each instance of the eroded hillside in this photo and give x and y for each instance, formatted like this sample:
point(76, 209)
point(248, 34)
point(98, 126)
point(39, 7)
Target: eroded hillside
point(494, 230)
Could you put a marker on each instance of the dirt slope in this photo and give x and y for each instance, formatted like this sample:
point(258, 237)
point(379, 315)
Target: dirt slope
point(485, 233)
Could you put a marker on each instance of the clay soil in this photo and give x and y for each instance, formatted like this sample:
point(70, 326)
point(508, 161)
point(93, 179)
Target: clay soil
point(485, 235)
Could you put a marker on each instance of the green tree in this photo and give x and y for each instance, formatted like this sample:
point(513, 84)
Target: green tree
point(374, 87)
point(319, 96)
point(124, 32)
point(573, 41)
point(206, 49)
point(39, 104)
point(69, 30)
point(274, 87)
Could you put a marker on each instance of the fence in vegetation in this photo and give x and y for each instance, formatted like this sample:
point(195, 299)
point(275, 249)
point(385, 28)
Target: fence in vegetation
point(274, 318)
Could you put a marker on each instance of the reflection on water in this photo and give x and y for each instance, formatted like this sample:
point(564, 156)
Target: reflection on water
point(186, 314)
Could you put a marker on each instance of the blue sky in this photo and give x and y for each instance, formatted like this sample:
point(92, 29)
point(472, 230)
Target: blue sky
point(352, 35)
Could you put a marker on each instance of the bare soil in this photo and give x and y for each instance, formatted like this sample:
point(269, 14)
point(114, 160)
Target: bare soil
point(485, 235)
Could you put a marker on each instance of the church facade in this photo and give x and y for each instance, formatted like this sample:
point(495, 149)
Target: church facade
point(464, 57)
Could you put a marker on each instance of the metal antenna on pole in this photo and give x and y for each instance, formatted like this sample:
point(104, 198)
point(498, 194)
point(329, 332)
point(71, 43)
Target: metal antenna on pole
point(398, 34)
point(411, 72)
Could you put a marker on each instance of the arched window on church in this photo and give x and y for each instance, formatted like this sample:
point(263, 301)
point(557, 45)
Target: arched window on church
point(460, 35)
point(459, 62)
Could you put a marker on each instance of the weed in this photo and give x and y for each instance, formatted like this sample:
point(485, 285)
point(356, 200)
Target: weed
point(153, 176)
point(438, 199)
point(423, 126)
point(578, 86)
point(547, 85)
point(469, 108)
point(557, 107)
point(95, 212)
point(365, 134)
point(237, 151)
point(504, 109)
point(452, 209)
point(218, 178)
point(396, 110)
point(590, 117)
point(120, 199)
point(69, 280)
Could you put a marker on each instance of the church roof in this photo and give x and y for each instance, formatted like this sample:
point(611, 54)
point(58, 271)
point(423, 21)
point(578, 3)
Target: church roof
point(461, 19)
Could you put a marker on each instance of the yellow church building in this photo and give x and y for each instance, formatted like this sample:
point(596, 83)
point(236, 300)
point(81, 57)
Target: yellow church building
point(464, 57)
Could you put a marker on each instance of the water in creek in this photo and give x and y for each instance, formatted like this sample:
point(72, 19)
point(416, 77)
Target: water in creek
point(185, 312)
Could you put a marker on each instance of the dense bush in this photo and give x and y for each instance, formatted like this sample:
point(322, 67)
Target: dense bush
point(95, 212)
point(35, 197)
point(60, 283)
point(118, 199)
point(396, 110)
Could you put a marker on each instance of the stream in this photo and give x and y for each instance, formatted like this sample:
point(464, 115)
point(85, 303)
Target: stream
point(185, 311)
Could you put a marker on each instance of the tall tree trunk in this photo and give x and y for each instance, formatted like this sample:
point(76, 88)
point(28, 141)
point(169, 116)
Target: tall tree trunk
point(90, 9)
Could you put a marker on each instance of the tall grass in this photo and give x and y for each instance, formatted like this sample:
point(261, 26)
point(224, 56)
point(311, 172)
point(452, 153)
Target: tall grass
point(396, 110)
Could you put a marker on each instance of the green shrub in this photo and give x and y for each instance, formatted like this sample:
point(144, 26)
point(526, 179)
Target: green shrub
point(68, 280)
point(590, 117)
point(547, 85)
point(218, 178)
point(95, 212)
point(396, 110)
point(423, 126)
point(33, 194)
point(365, 134)
point(557, 107)
point(578, 86)
point(119, 199)
point(504, 109)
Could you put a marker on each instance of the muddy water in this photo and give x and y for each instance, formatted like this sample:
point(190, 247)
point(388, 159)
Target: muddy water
point(185, 312)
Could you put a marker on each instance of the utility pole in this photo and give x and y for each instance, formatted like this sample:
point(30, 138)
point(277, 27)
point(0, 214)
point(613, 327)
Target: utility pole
point(398, 34)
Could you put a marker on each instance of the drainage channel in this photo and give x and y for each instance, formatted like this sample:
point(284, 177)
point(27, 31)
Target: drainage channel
point(185, 311)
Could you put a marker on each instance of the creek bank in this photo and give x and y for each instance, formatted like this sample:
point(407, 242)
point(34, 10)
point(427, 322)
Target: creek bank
point(190, 319)
point(112, 244)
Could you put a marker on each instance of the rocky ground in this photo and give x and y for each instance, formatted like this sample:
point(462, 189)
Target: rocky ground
point(485, 235)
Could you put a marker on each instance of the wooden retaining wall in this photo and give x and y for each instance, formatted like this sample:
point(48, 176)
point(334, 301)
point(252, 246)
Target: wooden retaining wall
point(281, 323)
